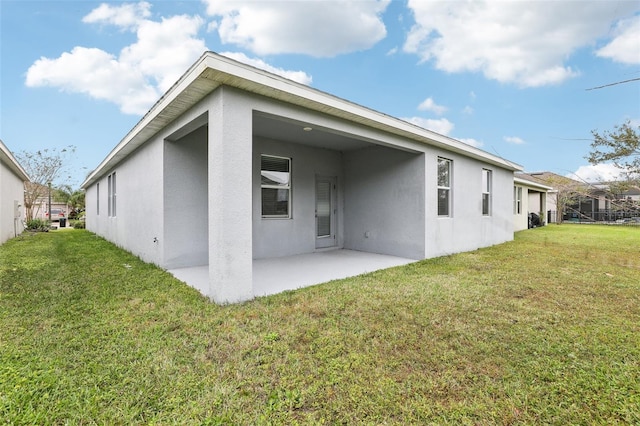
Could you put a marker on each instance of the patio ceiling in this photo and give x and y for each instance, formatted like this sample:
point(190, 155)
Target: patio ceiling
point(286, 130)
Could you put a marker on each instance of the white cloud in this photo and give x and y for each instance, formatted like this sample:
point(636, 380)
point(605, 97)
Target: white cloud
point(472, 142)
point(625, 47)
point(514, 140)
point(127, 15)
point(526, 43)
point(299, 76)
point(136, 77)
point(164, 50)
point(441, 126)
point(430, 105)
point(598, 173)
point(212, 26)
point(316, 28)
point(467, 110)
point(98, 74)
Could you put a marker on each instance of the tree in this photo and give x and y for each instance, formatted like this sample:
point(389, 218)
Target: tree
point(567, 192)
point(44, 167)
point(615, 189)
point(72, 198)
point(620, 146)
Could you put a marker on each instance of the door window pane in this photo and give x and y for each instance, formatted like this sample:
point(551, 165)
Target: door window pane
point(323, 208)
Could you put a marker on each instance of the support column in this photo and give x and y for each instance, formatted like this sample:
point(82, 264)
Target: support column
point(230, 198)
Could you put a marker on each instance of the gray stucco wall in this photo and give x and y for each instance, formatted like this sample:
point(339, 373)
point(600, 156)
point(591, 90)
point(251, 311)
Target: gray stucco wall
point(137, 225)
point(521, 220)
point(467, 229)
point(230, 196)
point(385, 202)
point(535, 202)
point(11, 190)
point(286, 237)
point(185, 201)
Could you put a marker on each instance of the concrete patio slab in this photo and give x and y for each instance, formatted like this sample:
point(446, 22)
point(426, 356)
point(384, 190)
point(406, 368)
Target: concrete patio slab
point(275, 275)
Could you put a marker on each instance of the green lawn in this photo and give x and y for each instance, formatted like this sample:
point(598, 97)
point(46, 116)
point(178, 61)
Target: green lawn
point(541, 330)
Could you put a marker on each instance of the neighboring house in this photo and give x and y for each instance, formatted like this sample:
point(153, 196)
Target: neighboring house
point(234, 165)
point(12, 178)
point(40, 205)
point(529, 196)
point(587, 202)
point(631, 194)
point(621, 202)
point(41, 208)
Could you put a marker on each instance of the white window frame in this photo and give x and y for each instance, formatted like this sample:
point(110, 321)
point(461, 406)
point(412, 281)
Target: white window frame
point(111, 200)
point(487, 177)
point(445, 186)
point(517, 199)
point(286, 187)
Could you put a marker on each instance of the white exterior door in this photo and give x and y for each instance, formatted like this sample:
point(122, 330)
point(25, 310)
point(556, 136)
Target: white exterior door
point(325, 211)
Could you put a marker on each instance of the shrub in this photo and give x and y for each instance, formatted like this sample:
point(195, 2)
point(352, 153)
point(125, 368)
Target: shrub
point(38, 225)
point(77, 224)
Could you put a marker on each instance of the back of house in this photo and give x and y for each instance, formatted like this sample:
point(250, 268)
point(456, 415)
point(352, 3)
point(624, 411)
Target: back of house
point(234, 165)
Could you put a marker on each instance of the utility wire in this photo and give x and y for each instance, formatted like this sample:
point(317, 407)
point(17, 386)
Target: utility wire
point(613, 84)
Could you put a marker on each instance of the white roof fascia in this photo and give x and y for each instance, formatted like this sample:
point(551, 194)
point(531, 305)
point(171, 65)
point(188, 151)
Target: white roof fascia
point(152, 122)
point(7, 157)
point(213, 70)
point(276, 87)
point(532, 184)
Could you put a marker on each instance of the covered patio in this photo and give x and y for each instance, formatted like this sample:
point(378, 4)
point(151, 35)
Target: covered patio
point(374, 214)
point(278, 274)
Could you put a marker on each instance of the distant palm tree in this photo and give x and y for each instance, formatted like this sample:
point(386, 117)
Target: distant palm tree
point(72, 198)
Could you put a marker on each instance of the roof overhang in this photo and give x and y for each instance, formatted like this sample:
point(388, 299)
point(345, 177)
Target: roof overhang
point(8, 158)
point(212, 71)
point(530, 184)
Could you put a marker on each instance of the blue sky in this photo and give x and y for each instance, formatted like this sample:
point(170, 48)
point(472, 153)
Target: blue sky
point(508, 76)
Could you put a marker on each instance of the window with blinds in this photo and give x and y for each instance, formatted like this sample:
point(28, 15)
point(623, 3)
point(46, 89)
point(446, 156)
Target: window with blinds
point(275, 174)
